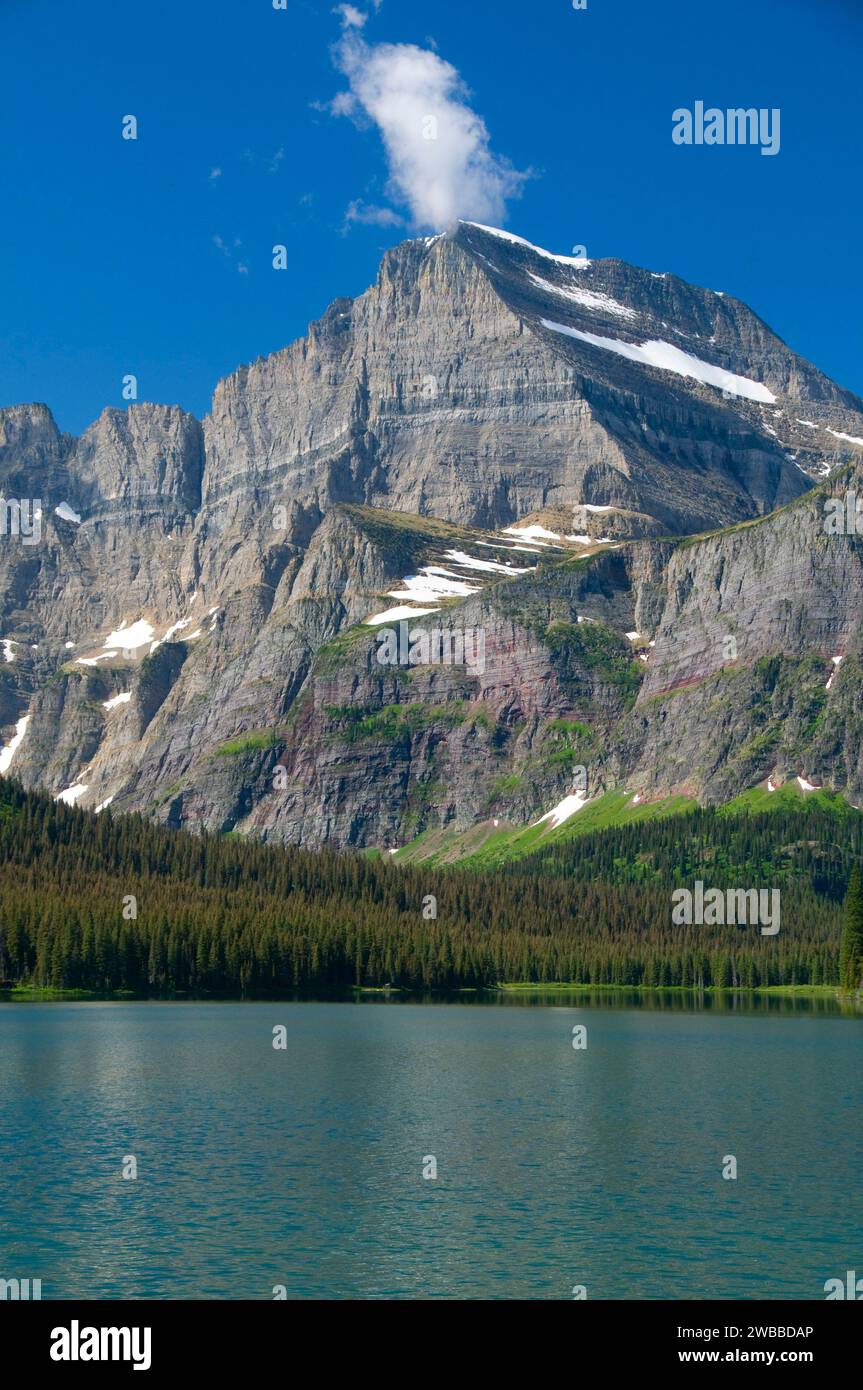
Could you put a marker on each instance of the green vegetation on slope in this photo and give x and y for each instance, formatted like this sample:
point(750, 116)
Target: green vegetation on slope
point(247, 743)
point(787, 797)
point(233, 916)
point(485, 847)
point(394, 722)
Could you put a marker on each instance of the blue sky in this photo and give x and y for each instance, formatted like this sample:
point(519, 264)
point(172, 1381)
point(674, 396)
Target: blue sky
point(109, 258)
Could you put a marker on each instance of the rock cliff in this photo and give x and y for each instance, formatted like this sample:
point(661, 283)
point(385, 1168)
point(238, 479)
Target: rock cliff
point(517, 441)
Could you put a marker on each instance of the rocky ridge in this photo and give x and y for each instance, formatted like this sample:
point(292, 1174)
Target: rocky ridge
point(194, 616)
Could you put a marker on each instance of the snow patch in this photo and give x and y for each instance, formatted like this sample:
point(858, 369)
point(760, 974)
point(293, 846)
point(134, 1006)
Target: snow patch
point(431, 585)
point(65, 511)
point(71, 794)
point(668, 358)
point(117, 700)
point(130, 637)
point(837, 662)
point(564, 810)
point(394, 615)
point(175, 627)
point(849, 438)
point(530, 533)
point(103, 804)
point(94, 660)
point(522, 549)
point(807, 786)
point(8, 753)
point(579, 261)
point(470, 562)
point(587, 299)
point(7, 644)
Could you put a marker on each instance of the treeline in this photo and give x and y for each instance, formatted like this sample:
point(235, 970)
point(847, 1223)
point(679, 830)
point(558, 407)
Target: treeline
point(117, 903)
point(783, 847)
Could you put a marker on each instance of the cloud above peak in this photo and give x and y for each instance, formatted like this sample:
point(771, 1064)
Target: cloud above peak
point(372, 216)
point(351, 17)
point(441, 166)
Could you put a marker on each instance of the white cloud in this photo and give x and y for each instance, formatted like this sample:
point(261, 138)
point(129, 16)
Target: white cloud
point(229, 251)
point(440, 163)
point(343, 104)
point(215, 174)
point(372, 215)
point(352, 18)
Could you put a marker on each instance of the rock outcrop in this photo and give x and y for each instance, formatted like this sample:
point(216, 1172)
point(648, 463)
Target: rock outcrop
point(187, 632)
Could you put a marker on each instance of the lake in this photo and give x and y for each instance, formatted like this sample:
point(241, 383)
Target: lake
point(303, 1167)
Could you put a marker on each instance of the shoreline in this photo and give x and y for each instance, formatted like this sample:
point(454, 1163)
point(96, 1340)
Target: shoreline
point(346, 994)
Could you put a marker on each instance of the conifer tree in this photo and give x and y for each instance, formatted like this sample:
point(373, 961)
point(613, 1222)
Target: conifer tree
point(851, 945)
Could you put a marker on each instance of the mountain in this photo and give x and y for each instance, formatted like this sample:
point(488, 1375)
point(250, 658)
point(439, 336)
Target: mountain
point(613, 479)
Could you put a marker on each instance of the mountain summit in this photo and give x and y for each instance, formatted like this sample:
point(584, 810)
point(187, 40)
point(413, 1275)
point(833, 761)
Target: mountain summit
point(514, 439)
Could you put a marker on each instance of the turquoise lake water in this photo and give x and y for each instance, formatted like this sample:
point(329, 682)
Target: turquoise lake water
point(303, 1168)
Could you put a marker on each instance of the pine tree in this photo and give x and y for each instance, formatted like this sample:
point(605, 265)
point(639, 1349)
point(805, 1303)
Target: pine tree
point(851, 945)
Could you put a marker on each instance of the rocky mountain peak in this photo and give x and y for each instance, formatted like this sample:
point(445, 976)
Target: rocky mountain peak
point(493, 436)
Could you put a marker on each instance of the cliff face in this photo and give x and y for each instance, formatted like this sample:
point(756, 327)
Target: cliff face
point(699, 669)
point(187, 632)
point(756, 669)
